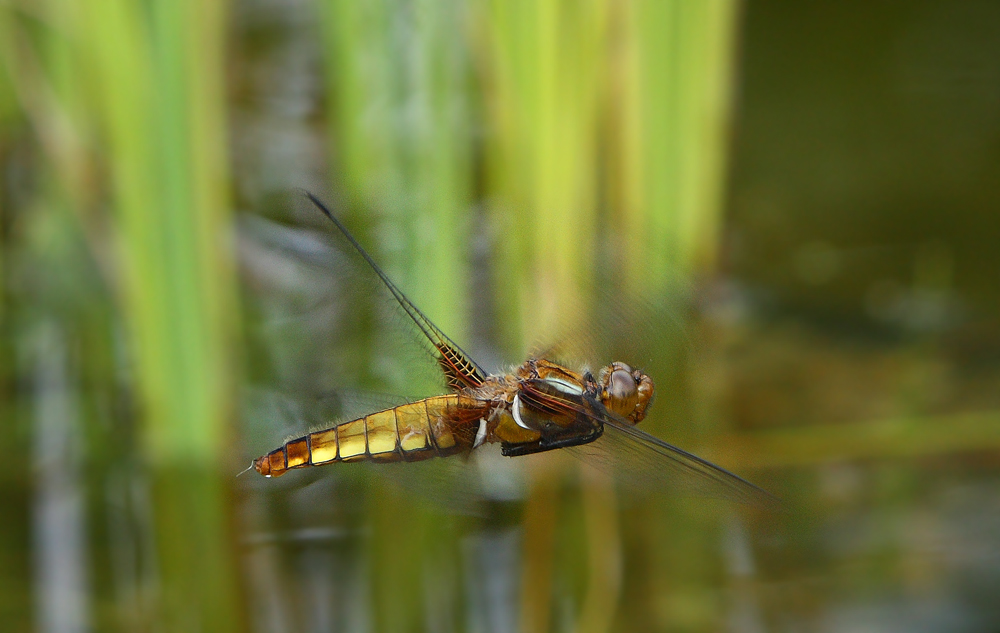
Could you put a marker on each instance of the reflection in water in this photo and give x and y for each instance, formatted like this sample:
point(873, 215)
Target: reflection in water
point(745, 610)
point(308, 580)
point(493, 557)
point(60, 540)
point(321, 578)
point(850, 356)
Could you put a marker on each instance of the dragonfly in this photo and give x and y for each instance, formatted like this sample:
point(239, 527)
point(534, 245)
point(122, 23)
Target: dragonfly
point(539, 406)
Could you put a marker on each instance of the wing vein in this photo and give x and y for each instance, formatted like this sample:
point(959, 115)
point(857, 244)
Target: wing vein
point(436, 337)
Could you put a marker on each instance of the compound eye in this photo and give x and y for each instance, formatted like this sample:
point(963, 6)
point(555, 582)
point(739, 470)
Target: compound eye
point(622, 392)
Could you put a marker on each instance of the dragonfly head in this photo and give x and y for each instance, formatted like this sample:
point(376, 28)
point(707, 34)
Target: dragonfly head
point(626, 391)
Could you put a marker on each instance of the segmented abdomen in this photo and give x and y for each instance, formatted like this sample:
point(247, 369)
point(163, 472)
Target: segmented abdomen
point(433, 427)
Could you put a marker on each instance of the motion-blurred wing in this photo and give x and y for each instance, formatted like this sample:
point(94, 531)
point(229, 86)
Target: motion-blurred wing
point(639, 460)
point(643, 460)
point(460, 371)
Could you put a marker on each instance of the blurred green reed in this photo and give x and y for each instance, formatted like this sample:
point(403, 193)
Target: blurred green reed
point(127, 103)
point(400, 134)
point(596, 116)
point(160, 73)
point(567, 121)
point(586, 117)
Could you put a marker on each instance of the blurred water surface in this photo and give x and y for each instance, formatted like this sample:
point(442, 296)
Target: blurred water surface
point(785, 213)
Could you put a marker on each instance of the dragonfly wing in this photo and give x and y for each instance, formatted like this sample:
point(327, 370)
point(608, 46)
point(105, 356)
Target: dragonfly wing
point(459, 369)
point(460, 485)
point(643, 461)
point(640, 460)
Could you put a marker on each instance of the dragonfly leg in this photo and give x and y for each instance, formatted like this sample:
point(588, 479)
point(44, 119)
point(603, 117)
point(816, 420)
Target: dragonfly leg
point(549, 443)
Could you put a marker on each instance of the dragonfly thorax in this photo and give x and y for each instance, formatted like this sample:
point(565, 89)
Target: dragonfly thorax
point(622, 390)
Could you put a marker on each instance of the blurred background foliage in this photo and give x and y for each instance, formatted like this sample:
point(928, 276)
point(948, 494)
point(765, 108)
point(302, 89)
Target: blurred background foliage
point(786, 212)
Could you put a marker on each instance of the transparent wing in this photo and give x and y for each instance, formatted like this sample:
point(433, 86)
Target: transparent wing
point(459, 369)
point(622, 327)
point(644, 462)
point(324, 314)
point(640, 460)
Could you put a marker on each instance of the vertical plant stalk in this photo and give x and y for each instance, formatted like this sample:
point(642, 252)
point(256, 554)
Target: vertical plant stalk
point(545, 80)
point(675, 112)
point(397, 80)
point(604, 552)
point(160, 73)
point(363, 88)
point(442, 164)
point(675, 119)
point(540, 521)
point(546, 77)
point(548, 80)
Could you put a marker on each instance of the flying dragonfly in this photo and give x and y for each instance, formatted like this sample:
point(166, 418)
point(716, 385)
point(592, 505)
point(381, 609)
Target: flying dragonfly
point(539, 406)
